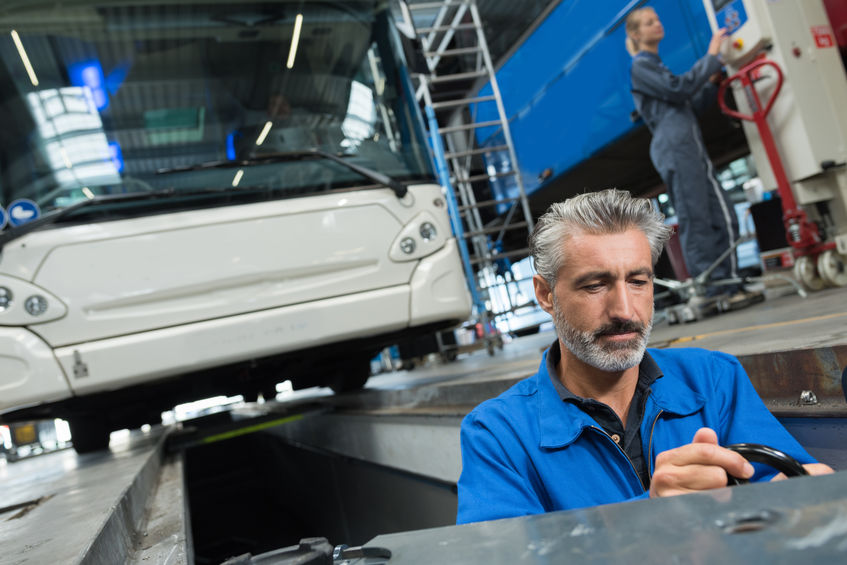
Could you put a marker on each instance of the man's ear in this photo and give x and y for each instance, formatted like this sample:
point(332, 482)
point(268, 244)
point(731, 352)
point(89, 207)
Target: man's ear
point(543, 293)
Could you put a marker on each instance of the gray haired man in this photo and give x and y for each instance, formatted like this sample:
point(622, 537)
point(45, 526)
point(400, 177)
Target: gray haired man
point(605, 419)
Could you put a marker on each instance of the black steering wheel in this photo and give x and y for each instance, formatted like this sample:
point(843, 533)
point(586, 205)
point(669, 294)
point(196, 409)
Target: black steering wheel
point(775, 458)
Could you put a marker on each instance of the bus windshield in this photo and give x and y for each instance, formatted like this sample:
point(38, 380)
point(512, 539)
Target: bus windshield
point(109, 97)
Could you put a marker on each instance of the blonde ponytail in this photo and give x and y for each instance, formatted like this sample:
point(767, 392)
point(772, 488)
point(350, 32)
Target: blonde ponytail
point(632, 46)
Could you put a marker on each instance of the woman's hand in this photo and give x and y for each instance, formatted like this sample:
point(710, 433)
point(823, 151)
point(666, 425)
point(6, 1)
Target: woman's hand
point(717, 40)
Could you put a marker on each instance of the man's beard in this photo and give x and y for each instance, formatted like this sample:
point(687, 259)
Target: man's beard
point(606, 356)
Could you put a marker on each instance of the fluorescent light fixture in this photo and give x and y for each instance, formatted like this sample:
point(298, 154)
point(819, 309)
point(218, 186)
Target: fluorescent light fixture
point(22, 52)
point(379, 80)
point(361, 114)
point(237, 178)
point(295, 39)
point(87, 192)
point(265, 131)
point(96, 173)
point(65, 158)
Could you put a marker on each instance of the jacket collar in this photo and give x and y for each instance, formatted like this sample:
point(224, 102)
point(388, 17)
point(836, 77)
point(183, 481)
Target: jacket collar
point(560, 423)
point(648, 55)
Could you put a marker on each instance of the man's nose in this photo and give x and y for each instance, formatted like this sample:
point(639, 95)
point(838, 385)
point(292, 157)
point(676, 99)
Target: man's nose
point(620, 303)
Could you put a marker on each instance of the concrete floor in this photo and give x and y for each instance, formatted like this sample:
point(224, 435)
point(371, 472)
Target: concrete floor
point(64, 508)
point(784, 322)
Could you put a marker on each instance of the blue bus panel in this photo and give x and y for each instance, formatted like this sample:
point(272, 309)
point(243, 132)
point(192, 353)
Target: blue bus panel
point(566, 90)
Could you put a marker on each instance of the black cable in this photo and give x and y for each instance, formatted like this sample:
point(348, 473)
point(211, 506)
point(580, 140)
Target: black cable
point(758, 453)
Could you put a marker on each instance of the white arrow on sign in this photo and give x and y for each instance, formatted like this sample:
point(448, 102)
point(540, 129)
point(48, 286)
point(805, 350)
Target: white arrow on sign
point(20, 213)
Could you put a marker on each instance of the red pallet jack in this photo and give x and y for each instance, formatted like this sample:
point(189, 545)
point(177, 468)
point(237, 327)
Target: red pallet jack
point(816, 262)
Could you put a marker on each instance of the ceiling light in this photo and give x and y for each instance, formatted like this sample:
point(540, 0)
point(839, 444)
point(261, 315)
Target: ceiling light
point(264, 134)
point(237, 178)
point(65, 158)
point(295, 39)
point(22, 52)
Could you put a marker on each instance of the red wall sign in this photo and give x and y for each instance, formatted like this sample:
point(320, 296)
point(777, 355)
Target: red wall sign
point(823, 36)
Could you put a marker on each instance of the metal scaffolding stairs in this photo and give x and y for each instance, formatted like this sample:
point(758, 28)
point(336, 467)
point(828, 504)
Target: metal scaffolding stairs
point(489, 207)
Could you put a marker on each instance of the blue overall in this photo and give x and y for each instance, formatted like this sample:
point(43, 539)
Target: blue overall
point(529, 452)
point(667, 102)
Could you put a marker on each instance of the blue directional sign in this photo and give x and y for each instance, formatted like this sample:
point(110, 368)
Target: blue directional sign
point(3, 218)
point(23, 211)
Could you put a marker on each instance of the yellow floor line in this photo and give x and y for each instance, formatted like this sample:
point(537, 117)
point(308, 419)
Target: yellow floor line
point(251, 429)
point(760, 327)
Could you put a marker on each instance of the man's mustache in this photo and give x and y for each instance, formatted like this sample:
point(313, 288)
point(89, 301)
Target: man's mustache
point(615, 328)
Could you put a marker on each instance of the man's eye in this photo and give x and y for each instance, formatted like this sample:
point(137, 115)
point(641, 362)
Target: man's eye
point(593, 287)
point(639, 282)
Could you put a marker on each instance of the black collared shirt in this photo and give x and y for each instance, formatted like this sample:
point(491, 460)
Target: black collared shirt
point(629, 437)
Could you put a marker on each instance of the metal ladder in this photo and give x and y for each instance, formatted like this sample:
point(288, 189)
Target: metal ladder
point(486, 206)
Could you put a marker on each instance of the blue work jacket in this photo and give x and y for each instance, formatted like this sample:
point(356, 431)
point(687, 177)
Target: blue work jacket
point(529, 452)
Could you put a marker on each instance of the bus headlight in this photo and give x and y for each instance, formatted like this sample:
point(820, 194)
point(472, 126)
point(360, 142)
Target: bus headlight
point(428, 231)
point(423, 235)
point(5, 298)
point(407, 245)
point(36, 305)
point(40, 305)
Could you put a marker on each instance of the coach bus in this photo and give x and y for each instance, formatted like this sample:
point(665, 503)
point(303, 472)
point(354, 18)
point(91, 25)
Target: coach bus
point(208, 197)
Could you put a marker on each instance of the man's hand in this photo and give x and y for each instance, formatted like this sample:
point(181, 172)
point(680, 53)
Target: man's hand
point(700, 465)
point(811, 468)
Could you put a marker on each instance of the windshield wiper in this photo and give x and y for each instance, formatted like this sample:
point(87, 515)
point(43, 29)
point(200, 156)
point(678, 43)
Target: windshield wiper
point(380, 178)
point(55, 216)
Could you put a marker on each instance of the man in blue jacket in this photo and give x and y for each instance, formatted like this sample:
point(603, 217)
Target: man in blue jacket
point(604, 419)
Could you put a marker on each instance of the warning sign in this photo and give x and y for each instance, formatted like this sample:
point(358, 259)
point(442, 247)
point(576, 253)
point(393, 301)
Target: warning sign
point(823, 36)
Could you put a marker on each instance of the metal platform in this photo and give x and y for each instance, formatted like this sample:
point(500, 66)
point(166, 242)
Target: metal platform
point(795, 521)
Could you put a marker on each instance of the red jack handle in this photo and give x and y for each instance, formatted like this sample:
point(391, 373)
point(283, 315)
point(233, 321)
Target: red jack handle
point(800, 232)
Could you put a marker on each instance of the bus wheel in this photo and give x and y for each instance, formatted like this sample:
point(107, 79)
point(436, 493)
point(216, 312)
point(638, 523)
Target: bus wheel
point(351, 377)
point(89, 432)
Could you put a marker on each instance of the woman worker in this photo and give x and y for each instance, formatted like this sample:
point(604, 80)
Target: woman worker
point(666, 102)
